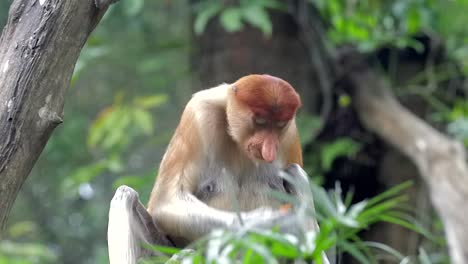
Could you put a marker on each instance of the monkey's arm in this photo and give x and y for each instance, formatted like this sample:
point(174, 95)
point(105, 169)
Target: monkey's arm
point(187, 217)
point(184, 215)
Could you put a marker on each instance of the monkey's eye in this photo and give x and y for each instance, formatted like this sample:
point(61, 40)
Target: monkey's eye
point(281, 124)
point(260, 121)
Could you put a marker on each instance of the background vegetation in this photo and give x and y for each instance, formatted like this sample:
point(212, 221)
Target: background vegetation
point(142, 64)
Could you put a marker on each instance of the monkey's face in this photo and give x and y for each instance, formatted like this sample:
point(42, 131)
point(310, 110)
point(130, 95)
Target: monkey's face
point(259, 109)
point(264, 141)
point(258, 137)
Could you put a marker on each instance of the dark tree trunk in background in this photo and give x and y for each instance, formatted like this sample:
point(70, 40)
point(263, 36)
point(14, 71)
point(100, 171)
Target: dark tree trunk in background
point(39, 47)
point(224, 57)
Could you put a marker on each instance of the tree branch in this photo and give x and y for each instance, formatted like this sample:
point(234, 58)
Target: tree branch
point(39, 47)
point(440, 160)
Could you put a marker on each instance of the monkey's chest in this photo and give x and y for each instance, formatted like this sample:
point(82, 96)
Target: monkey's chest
point(243, 190)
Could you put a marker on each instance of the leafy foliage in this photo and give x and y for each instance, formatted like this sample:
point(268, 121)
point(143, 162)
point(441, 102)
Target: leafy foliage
point(340, 223)
point(234, 17)
point(371, 24)
point(135, 70)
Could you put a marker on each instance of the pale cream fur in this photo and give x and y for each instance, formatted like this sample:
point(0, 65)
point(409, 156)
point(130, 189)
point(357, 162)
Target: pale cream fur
point(203, 149)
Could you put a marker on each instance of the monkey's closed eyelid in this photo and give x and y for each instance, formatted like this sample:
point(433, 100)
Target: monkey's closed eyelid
point(281, 123)
point(259, 121)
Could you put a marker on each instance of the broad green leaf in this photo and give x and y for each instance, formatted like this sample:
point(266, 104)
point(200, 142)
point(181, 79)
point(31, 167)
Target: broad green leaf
point(413, 20)
point(231, 19)
point(260, 250)
point(151, 101)
point(21, 228)
point(258, 17)
point(340, 147)
point(394, 191)
point(143, 120)
point(82, 175)
point(117, 135)
point(273, 4)
point(97, 130)
point(386, 248)
point(210, 10)
point(280, 246)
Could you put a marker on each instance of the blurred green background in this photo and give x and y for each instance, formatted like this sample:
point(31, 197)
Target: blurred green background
point(146, 58)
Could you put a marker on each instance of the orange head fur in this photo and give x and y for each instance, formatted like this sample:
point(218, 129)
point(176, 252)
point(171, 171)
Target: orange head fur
point(259, 109)
point(267, 96)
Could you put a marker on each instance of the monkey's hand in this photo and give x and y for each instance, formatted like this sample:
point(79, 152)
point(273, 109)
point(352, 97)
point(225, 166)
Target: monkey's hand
point(294, 220)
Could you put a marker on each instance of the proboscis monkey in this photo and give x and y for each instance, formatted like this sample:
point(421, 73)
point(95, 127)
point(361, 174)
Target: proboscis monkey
point(226, 155)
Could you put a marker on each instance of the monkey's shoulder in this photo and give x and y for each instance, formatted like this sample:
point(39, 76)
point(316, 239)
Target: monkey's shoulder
point(215, 96)
point(207, 111)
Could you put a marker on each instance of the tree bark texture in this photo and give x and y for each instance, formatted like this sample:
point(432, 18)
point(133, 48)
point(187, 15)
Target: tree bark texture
point(39, 47)
point(440, 160)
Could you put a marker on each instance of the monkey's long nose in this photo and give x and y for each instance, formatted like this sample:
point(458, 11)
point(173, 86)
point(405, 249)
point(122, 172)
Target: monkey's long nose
point(269, 148)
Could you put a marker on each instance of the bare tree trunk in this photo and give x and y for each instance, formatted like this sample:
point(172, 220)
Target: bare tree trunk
point(39, 47)
point(440, 160)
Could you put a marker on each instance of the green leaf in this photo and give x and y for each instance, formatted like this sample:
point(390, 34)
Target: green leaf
point(143, 120)
point(273, 4)
point(97, 128)
point(396, 190)
point(29, 252)
point(151, 101)
point(401, 222)
point(258, 17)
point(356, 209)
point(385, 248)
point(22, 228)
point(279, 245)
point(87, 173)
point(209, 10)
point(116, 129)
point(340, 147)
point(231, 19)
point(355, 252)
point(260, 250)
point(413, 20)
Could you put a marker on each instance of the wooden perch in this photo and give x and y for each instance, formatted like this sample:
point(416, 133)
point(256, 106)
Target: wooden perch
point(39, 47)
point(440, 160)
